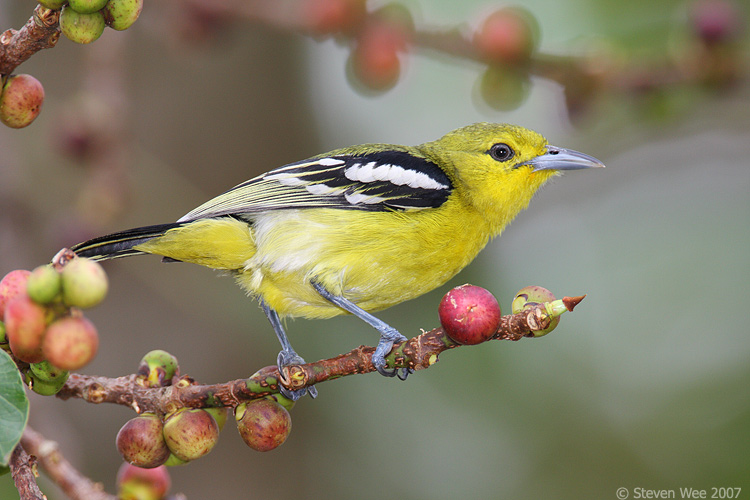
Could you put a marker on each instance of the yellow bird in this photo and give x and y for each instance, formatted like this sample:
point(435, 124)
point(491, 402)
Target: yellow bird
point(358, 229)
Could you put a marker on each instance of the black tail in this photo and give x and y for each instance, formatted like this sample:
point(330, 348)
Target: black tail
point(120, 244)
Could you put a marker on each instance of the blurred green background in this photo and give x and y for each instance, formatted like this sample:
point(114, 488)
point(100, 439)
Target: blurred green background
point(644, 386)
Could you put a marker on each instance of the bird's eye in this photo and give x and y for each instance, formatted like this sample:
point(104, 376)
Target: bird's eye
point(501, 152)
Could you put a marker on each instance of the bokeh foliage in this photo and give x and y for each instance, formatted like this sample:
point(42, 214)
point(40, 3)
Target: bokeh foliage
point(644, 386)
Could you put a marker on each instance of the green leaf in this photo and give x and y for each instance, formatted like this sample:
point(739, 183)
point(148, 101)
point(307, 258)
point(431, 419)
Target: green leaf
point(14, 407)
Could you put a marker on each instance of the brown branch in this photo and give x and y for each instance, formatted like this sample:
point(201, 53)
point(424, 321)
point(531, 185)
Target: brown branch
point(417, 353)
point(23, 471)
point(41, 31)
point(71, 481)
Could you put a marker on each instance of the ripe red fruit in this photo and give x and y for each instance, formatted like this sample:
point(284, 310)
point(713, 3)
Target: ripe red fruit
point(469, 314)
point(136, 483)
point(12, 285)
point(263, 424)
point(374, 61)
point(70, 343)
point(21, 101)
point(508, 35)
point(141, 442)
point(25, 324)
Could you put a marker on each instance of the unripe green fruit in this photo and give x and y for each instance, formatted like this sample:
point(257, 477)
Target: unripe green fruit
point(137, 483)
point(46, 387)
point(157, 368)
point(263, 424)
point(219, 414)
point(503, 88)
point(25, 321)
point(279, 398)
point(87, 6)
point(190, 433)
point(173, 461)
point(84, 283)
point(47, 372)
point(531, 296)
point(141, 441)
point(3, 337)
point(52, 4)
point(121, 14)
point(81, 28)
point(12, 285)
point(44, 284)
point(70, 343)
point(21, 101)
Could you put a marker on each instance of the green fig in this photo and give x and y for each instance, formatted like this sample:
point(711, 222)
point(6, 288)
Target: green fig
point(87, 6)
point(81, 28)
point(121, 14)
point(44, 284)
point(157, 368)
point(532, 296)
point(84, 283)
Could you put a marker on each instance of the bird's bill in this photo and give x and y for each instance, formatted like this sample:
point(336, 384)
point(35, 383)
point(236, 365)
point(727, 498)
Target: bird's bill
point(563, 159)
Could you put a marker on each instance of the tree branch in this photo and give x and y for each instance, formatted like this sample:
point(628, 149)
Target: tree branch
point(41, 31)
point(417, 353)
point(23, 471)
point(71, 481)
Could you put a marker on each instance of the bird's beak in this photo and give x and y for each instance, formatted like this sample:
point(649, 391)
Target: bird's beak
point(563, 159)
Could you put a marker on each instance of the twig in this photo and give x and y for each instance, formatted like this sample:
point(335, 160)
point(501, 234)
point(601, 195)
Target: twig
point(41, 31)
point(417, 353)
point(71, 481)
point(23, 471)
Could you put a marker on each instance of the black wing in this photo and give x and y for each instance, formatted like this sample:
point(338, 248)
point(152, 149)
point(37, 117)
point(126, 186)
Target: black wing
point(388, 179)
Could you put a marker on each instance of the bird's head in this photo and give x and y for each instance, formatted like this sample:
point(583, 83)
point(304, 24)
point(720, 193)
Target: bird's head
point(497, 168)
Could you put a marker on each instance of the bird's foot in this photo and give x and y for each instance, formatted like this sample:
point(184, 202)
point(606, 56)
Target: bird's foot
point(385, 345)
point(291, 358)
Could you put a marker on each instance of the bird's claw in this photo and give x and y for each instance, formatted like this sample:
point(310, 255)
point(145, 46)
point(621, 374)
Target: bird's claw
point(295, 395)
point(401, 373)
point(291, 358)
point(384, 347)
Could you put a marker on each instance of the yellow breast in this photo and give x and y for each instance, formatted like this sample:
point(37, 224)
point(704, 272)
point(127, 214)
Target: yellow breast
point(375, 259)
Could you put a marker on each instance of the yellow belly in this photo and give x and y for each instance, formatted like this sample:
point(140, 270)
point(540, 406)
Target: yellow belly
point(374, 259)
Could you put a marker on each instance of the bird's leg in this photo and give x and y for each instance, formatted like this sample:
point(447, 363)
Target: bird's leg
point(388, 334)
point(287, 356)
